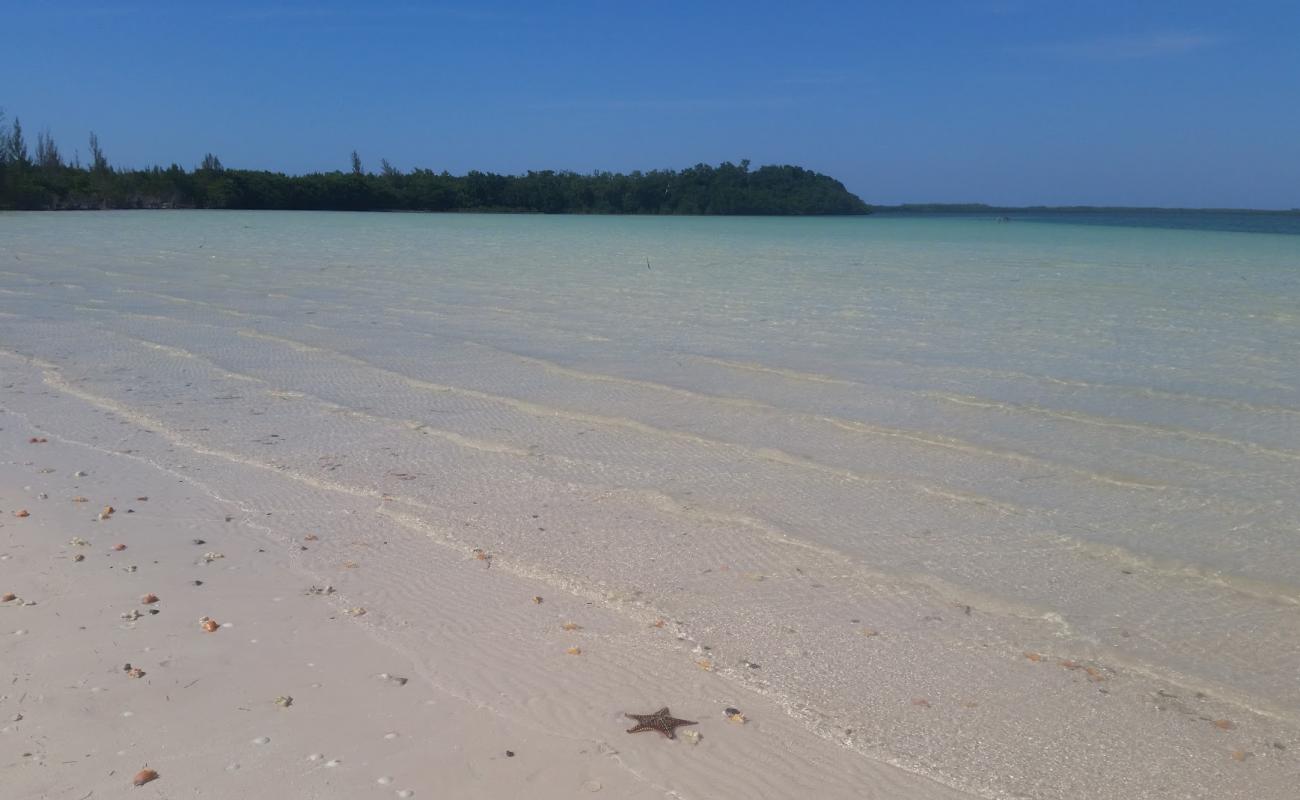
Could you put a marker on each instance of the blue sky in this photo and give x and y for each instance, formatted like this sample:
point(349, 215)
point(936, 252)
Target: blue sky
point(1004, 101)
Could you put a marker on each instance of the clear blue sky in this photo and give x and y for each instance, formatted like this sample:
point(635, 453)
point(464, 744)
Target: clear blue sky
point(1005, 101)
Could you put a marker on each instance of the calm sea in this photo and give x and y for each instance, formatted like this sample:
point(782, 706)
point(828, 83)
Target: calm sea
point(974, 439)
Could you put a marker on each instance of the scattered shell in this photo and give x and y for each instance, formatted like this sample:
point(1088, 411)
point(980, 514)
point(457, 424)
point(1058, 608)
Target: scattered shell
point(704, 664)
point(119, 547)
point(734, 715)
point(197, 542)
point(319, 590)
point(333, 762)
point(405, 793)
point(391, 735)
point(132, 615)
point(149, 598)
point(537, 600)
point(311, 537)
point(571, 626)
point(80, 499)
point(315, 756)
point(211, 556)
point(1224, 724)
point(22, 512)
point(42, 496)
point(7, 596)
point(383, 780)
point(870, 632)
point(107, 511)
point(143, 499)
point(209, 625)
point(262, 740)
point(692, 737)
point(400, 681)
point(574, 651)
point(144, 776)
point(79, 557)
point(134, 672)
point(81, 473)
point(350, 565)
point(357, 611)
point(659, 623)
point(78, 542)
point(131, 568)
point(284, 701)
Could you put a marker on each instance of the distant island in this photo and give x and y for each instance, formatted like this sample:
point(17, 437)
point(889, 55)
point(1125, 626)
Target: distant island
point(46, 180)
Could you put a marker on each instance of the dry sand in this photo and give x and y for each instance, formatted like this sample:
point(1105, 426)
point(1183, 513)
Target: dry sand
point(495, 680)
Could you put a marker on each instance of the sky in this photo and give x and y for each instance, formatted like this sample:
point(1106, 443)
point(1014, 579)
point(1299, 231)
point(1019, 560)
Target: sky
point(1185, 103)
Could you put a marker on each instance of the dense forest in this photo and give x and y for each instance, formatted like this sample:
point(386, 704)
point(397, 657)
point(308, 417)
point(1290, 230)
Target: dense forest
point(45, 179)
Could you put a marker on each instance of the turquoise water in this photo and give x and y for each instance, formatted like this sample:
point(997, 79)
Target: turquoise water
point(979, 439)
point(1280, 222)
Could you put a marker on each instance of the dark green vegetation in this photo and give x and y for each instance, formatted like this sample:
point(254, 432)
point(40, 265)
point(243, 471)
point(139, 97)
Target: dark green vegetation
point(48, 181)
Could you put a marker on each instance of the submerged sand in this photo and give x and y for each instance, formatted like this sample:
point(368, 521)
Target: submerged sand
point(934, 536)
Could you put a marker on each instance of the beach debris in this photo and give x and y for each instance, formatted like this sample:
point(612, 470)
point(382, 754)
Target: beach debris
point(734, 715)
point(132, 672)
point(356, 611)
point(80, 499)
point(571, 626)
point(692, 737)
point(481, 555)
point(208, 624)
point(131, 616)
point(704, 664)
point(22, 512)
point(661, 721)
point(8, 596)
point(79, 557)
point(77, 541)
point(106, 512)
point(397, 679)
point(119, 547)
point(1224, 724)
point(537, 600)
point(210, 556)
point(144, 776)
point(149, 599)
point(43, 496)
point(574, 651)
point(284, 701)
point(321, 590)
point(920, 701)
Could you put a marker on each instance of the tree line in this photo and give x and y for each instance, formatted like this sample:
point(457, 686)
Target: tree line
point(44, 178)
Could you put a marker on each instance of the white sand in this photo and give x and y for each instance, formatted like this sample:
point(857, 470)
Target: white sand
point(495, 676)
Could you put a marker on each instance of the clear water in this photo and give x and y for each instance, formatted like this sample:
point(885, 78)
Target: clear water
point(978, 440)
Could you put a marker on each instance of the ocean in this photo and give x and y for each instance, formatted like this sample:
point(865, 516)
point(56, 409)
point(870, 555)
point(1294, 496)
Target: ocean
point(1040, 476)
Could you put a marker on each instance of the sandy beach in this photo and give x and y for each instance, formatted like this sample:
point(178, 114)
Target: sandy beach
point(296, 692)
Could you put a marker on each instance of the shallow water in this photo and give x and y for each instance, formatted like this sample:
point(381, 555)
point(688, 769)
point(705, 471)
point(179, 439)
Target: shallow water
point(974, 440)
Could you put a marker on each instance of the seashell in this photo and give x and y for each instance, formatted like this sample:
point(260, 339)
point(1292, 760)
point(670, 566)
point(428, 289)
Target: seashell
point(574, 651)
point(358, 611)
point(571, 626)
point(7, 596)
point(262, 740)
point(149, 598)
point(692, 737)
point(311, 537)
point(22, 512)
point(80, 499)
point(135, 672)
point(119, 547)
point(284, 701)
point(79, 557)
point(131, 616)
point(209, 625)
point(107, 511)
point(81, 473)
point(537, 600)
point(211, 556)
point(78, 541)
point(734, 715)
point(144, 776)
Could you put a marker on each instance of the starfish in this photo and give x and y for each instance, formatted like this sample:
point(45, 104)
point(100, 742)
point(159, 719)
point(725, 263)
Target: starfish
point(660, 721)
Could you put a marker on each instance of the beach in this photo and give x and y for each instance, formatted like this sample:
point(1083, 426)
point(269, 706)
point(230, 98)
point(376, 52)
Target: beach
point(942, 508)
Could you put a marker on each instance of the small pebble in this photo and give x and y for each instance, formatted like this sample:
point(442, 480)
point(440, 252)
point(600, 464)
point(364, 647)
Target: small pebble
point(510, 754)
point(390, 736)
point(333, 762)
point(315, 756)
point(261, 740)
point(197, 541)
point(81, 473)
point(79, 557)
point(405, 793)
point(383, 780)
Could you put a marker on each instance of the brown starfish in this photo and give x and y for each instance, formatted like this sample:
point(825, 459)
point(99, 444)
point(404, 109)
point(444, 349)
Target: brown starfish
point(660, 721)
